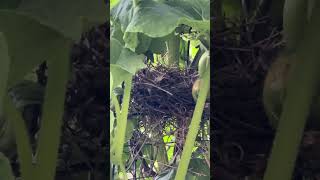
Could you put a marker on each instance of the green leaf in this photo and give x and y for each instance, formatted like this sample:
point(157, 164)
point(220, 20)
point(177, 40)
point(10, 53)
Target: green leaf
point(157, 19)
point(137, 42)
point(118, 75)
point(125, 59)
point(67, 17)
point(122, 14)
point(130, 62)
point(170, 146)
point(5, 168)
point(115, 50)
point(27, 48)
point(116, 33)
point(198, 9)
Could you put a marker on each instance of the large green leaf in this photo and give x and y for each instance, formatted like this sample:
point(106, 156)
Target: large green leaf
point(137, 42)
point(122, 13)
point(124, 63)
point(198, 9)
point(115, 50)
point(124, 58)
point(118, 75)
point(130, 62)
point(68, 17)
point(29, 43)
point(116, 33)
point(158, 19)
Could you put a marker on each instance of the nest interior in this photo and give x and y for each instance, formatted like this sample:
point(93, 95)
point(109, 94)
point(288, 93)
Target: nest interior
point(163, 92)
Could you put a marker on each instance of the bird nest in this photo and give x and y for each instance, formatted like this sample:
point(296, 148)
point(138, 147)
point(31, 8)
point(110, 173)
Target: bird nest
point(164, 94)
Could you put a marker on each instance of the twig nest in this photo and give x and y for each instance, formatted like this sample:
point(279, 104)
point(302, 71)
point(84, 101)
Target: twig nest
point(163, 93)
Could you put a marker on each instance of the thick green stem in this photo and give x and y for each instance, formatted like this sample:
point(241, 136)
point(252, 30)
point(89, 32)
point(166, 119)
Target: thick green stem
point(13, 116)
point(122, 126)
point(22, 140)
point(173, 46)
point(193, 129)
point(49, 136)
point(303, 85)
point(294, 22)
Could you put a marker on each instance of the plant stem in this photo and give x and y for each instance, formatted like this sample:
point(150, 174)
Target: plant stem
point(22, 140)
point(53, 110)
point(193, 129)
point(294, 22)
point(122, 121)
point(303, 85)
point(173, 46)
